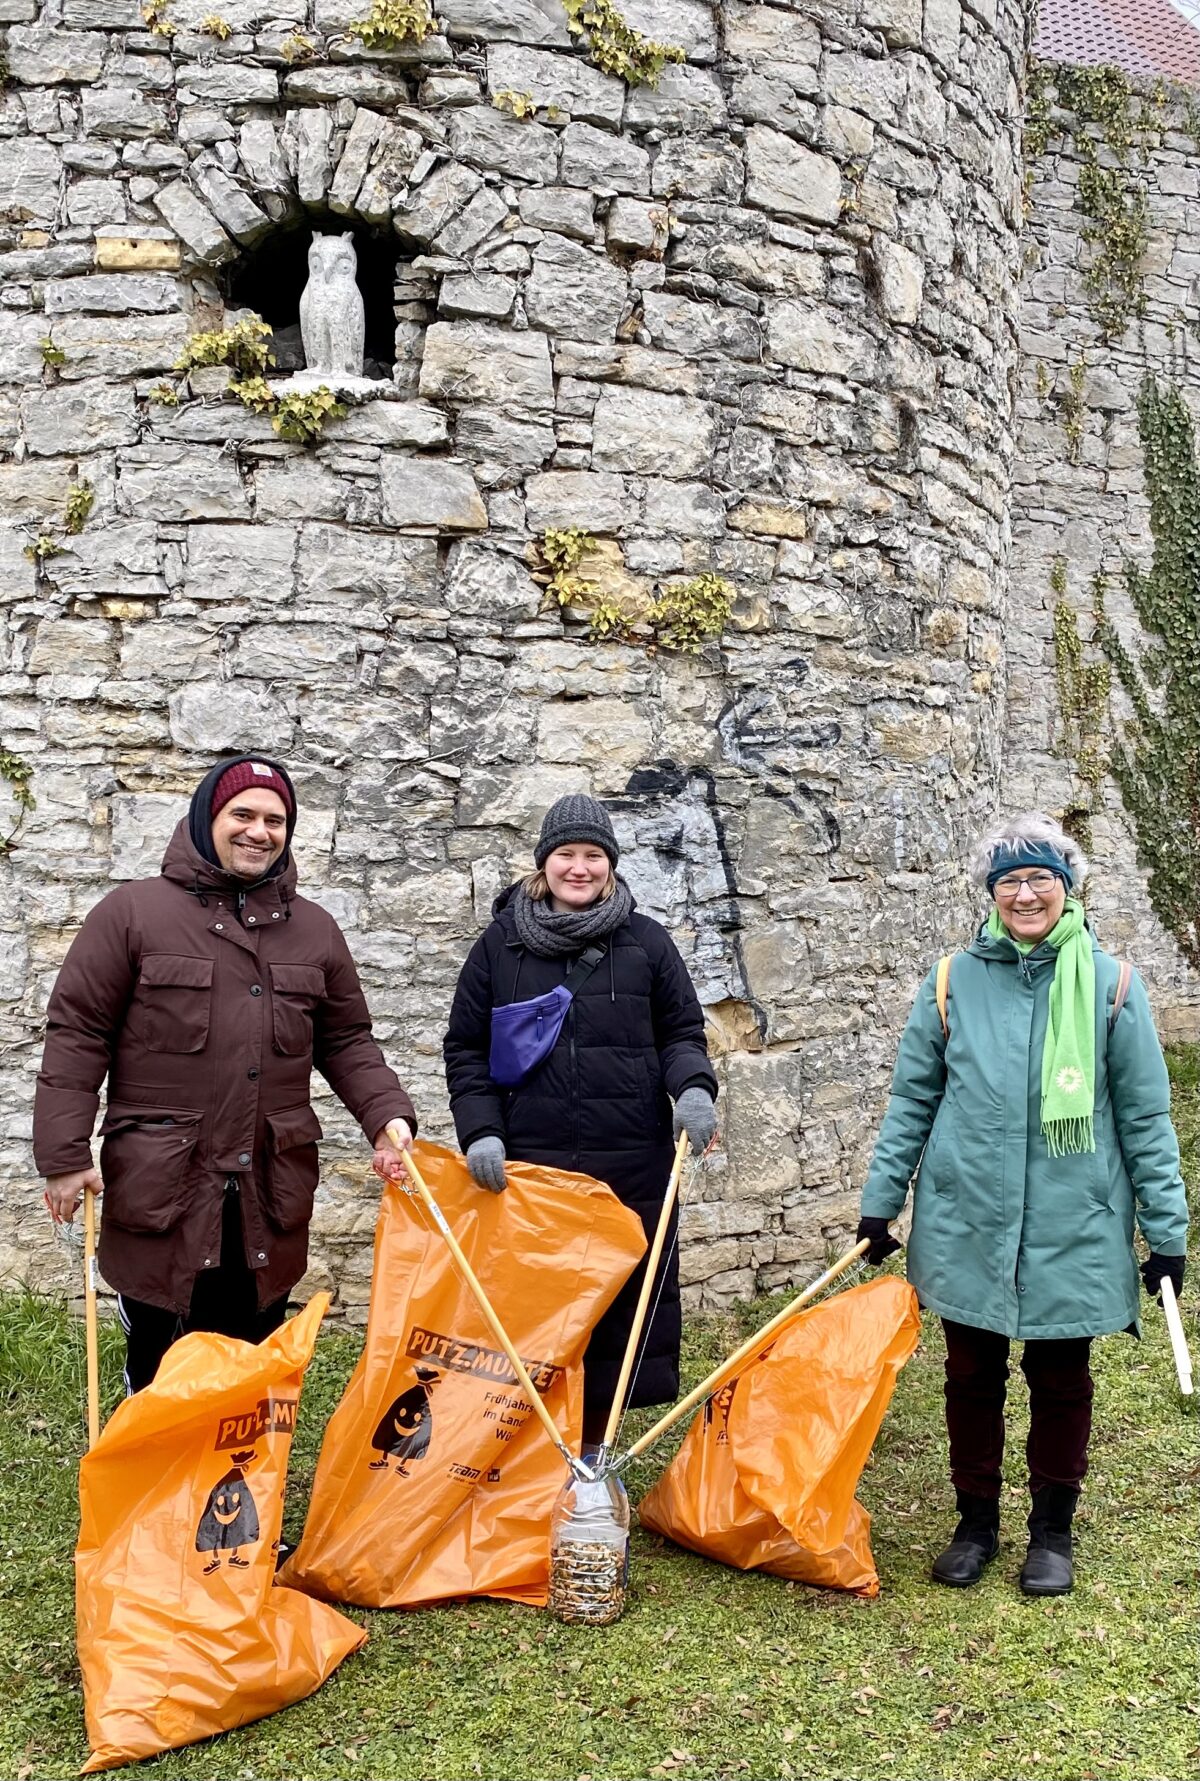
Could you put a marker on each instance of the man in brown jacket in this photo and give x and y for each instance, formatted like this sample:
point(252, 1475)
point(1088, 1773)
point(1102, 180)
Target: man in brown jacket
point(206, 996)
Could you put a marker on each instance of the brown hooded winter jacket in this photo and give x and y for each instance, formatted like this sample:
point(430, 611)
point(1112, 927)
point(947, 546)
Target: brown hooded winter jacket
point(207, 1028)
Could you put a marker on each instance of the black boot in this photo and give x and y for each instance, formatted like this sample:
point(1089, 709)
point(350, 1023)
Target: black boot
point(1047, 1569)
point(976, 1541)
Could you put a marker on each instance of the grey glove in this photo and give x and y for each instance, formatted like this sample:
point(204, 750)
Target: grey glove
point(696, 1115)
point(485, 1159)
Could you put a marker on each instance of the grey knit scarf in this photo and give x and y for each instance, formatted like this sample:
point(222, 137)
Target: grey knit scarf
point(552, 936)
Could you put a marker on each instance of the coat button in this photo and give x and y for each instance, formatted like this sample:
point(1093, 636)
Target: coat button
point(244, 1159)
point(251, 920)
point(208, 1261)
point(256, 989)
point(261, 1256)
point(275, 915)
point(253, 1075)
point(220, 927)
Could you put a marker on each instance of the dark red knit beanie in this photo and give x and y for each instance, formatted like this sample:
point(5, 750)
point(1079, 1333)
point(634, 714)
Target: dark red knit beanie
point(246, 776)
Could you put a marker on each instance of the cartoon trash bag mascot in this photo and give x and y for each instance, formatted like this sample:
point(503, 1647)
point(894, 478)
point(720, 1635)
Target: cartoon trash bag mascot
point(406, 1426)
point(230, 1519)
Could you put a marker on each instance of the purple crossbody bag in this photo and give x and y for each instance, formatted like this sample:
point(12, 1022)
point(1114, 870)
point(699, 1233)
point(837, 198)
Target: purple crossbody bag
point(525, 1033)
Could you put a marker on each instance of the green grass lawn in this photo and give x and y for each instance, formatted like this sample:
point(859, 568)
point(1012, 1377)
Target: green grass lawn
point(710, 1672)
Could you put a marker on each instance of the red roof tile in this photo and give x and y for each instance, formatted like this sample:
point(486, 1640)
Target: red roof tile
point(1144, 37)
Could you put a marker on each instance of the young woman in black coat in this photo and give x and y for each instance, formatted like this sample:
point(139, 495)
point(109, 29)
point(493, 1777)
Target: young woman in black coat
point(600, 1102)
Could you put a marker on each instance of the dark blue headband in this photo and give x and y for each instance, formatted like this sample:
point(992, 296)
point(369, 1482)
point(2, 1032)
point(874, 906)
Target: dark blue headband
point(1029, 853)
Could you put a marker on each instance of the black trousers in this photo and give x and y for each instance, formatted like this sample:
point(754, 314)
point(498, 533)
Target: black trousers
point(1060, 1408)
point(224, 1300)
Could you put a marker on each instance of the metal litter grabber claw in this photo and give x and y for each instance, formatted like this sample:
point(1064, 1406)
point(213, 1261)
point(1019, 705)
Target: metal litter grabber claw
point(589, 1526)
point(576, 1466)
point(741, 1357)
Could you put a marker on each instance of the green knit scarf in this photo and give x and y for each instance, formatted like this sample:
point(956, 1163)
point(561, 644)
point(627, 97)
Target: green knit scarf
point(1069, 1053)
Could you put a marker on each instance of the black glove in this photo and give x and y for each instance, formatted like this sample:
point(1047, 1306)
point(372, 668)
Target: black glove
point(882, 1241)
point(1157, 1268)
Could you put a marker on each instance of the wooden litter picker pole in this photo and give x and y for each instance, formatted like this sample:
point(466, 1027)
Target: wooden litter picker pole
point(1179, 1347)
point(489, 1316)
point(89, 1313)
point(639, 1316)
point(741, 1356)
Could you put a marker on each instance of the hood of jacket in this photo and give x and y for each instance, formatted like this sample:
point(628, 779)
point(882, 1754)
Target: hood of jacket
point(185, 865)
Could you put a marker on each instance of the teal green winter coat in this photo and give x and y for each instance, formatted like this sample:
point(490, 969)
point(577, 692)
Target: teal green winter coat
point(1005, 1236)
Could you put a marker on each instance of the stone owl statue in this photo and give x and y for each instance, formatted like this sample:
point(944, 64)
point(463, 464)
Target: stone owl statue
point(331, 308)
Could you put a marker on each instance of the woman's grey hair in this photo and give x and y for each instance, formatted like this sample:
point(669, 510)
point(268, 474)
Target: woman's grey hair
point(1036, 828)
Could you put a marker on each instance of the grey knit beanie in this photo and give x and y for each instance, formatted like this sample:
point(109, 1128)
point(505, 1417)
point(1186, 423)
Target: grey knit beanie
point(576, 818)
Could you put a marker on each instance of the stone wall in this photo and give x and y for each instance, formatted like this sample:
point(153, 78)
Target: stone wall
point(761, 321)
point(1077, 401)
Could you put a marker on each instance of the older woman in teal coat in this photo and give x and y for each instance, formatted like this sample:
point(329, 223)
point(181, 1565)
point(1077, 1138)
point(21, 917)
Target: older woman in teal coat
point(1035, 1118)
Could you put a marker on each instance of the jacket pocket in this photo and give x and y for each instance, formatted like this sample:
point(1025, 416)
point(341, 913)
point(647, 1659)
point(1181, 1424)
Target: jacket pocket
point(172, 1002)
point(292, 1166)
point(145, 1153)
point(295, 992)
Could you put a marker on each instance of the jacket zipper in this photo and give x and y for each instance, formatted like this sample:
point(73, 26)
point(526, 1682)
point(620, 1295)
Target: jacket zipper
point(574, 1086)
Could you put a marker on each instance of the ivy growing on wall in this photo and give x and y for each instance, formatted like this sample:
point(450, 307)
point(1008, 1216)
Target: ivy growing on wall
point(16, 773)
point(1083, 692)
point(1155, 753)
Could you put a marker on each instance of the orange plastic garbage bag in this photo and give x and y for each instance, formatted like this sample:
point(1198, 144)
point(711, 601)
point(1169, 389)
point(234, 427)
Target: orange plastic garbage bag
point(435, 1478)
point(181, 1631)
point(765, 1479)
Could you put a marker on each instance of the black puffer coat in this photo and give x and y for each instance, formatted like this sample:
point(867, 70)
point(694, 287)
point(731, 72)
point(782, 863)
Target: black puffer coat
point(599, 1105)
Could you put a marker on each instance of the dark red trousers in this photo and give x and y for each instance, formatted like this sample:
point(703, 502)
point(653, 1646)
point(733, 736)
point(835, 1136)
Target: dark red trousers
point(1060, 1408)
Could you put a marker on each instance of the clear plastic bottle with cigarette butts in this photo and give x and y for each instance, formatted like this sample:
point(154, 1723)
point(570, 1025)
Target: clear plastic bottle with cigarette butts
point(589, 1551)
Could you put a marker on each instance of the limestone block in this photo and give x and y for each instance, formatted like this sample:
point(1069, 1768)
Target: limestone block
point(924, 110)
point(769, 519)
point(405, 900)
point(656, 435)
point(39, 56)
point(603, 162)
point(233, 207)
point(482, 294)
point(760, 100)
point(515, 797)
point(610, 734)
point(31, 490)
point(110, 346)
point(468, 362)
point(112, 15)
point(942, 29)
point(870, 84)
point(239, 563)
point(314, 155)
point(29, 179)
point(499, 143)
point(684, 509)
point(899, 21)
point(480, 217)
point(431, 493)
point(301, 488)
point(500, 447)
point(414, 424)
point(303, 654)
point(355, 159)
point(213, 717)
point(112, 293)
point(813, 338)
point(764, 1097)
point(329, 86)
point(142, 825)
point(91, 201)
point(165, 651)
point(136, 252)
point(73, 646)
point(575, 291)
point(436, 201)
point(262, 155)
point(638, 228)
point(122, 112)
point(20, 354)
point(122, 559)
point(352, 568)
point(686, 98)
point(901, 281)
point(788, 179)
point(567, 82)
point(768, 36)
point(597, 503)
point(18, 576)
point(561, 208)
point(392, 160)
point(227, 83)
point(514, 21)
point(195, 224)
point(689, 25)
point(706, 167)
point(87, 416)
point(490, 584)
point(694, 329)
point(177, 483)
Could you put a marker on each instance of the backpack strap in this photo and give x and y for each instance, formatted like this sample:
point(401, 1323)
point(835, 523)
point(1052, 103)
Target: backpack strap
point(942, 991)
point(1123, 978)
point(575, 979)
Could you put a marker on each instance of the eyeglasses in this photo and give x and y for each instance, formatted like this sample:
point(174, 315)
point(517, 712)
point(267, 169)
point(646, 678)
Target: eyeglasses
point(1040, 883)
